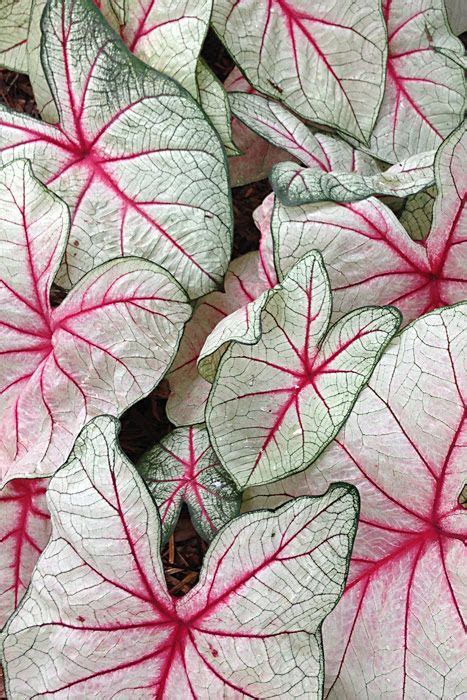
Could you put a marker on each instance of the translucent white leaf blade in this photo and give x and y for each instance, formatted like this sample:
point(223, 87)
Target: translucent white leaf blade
point(405, 593)
point(293, 53)
point(424, 99)
point(159, 191)
point(98, 613)
point(183, 468)
point(275, 405)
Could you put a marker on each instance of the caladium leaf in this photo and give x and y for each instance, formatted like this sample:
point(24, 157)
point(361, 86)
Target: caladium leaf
point(283, 129)
point(262, 218)
point(188, 389)
point(213, 99)
point(98, 614)
point(183, 468)
point(256, 155)
point(456, 15)
point(159, 191)
point(24, 531)
point(294, 54)
point(275, 405)
point(399, 629)
point(295, 185)
point(14, 21)
point(105, 347)
point(370, 257)
point(416, 215)
point(424, 98)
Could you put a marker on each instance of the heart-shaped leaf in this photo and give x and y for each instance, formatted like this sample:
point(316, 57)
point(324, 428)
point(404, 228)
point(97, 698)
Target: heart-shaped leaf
point(296, 186)
point(294, 54)
point(105, 347)
point(275, 405)
point(273, 122)
point(159, 190)
point(14, 22)
point(24, 531)
point(370, 257)
point(98, 615)
point(399, 630)
point(183, 468)
point(424, 99)
point(189, 390)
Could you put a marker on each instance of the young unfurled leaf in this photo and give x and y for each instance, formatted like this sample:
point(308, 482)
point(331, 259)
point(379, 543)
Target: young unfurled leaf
point(370, 257)
point(24, 531)
point(425, 90)
point(403, 611)
point(294, 53)
point(105, 347)
point(275, 405)
point(140, 167)
point(295, 185)
point(183, 468)
point(283, 129)
point(98, 614)
point(257, 156)
point(14, 21)
point(188, 389)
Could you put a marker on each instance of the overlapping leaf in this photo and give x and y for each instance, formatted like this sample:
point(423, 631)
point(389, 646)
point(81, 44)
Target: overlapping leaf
point(133, 156)
point(24, 531)
point(275, 405)
point(98, 614)
point(399, 629)
point(294, 53)
point(370, 257)
point(183, 468)
point(14, 22)
point(189, 390)
point(214, 101)
point(105, 347)
point(424, 99)
point(295, 185)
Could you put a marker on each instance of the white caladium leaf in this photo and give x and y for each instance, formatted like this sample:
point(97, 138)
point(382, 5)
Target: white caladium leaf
point(188, 389)
point(160, 190)
point(183, 468)
point(370, 257)
point(24, 531)
point(105, 347)
point(283, 129)
point(424, 98)
point(275, 405)
point(456, 15)
point(215, 102)
point(293, 53)
point(262, 218)
point(14, 21)
point(98, 614)
point(295, 185)
point(42, 94)
point(405, 604)
point(257, 156)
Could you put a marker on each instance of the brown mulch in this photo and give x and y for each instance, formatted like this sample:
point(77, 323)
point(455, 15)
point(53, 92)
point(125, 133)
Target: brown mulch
point(145, 423)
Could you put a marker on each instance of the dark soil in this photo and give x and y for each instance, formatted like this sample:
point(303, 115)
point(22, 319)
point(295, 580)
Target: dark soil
point(145, 423)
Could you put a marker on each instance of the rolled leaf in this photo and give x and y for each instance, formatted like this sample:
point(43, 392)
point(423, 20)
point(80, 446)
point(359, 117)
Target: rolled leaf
point(296, 186)
point(98, 614)
point(189, 389)
point(24, 531)
point(213, 99)
point(294, 54)
point(404, 608)
point(105, 347)
point(275, 405)
point(371, 258)
point(183, 468)
point(159, 191)
point(424, 99)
